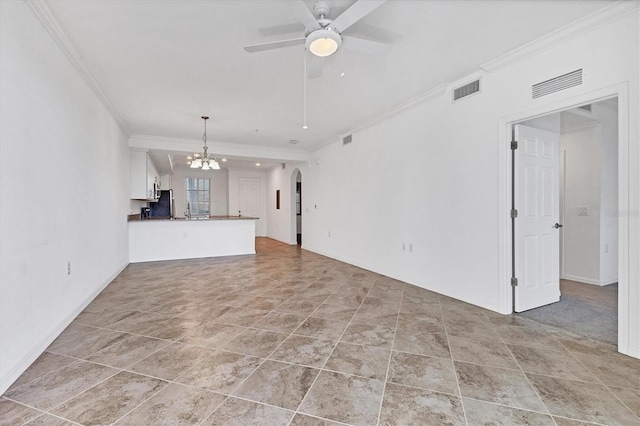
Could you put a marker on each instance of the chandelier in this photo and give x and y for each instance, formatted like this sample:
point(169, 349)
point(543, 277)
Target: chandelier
point(203, 161)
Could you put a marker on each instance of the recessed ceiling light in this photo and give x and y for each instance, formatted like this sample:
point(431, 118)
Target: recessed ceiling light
point(294, 141)
point(189, 158)
point(224, 160)
point(258, 164)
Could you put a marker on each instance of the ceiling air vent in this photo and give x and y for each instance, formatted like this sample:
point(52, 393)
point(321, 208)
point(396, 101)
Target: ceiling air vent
point(557, 84)
point(347, 139)
point(466, 90)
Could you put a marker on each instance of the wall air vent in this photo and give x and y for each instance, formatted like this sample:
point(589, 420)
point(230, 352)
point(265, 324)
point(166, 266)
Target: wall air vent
point(466, 90)
point(347, 139)
point(557, 84)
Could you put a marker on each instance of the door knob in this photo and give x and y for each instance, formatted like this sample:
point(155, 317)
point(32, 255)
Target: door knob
point(557, 225)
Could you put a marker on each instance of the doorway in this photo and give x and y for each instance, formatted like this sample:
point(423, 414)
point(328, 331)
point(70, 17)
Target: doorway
point(250, 200)
point(296, 210)
point(586, 191)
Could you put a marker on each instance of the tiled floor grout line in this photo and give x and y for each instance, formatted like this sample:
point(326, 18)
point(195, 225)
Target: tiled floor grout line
point(244, 399)
point(453, 363)
point(600, 381)
point(52, 415)
point(48, 411)
point(268, 358)
point(42, 412)
point(393, 340)
point(321, 368)
point(572, 355)
point(143, 401)
point(254, 370)
point(125, 369)
point(526, 377)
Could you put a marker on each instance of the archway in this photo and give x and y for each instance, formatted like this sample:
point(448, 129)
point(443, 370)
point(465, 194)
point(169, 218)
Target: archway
point(296, 207)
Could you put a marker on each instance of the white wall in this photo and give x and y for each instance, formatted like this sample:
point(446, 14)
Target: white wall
point(582, 191)
point(57, 207)
point(428, 176)
point(590, 242)
point(608, 194)
point(218, 189)
point(234, 175)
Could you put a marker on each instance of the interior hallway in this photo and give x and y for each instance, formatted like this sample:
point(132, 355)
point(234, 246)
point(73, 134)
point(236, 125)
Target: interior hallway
point(291, 337)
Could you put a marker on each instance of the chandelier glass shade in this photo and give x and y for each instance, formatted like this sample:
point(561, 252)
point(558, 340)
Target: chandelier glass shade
point(204, 161)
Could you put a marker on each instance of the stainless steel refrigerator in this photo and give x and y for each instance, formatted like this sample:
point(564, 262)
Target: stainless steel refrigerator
point(164, 208)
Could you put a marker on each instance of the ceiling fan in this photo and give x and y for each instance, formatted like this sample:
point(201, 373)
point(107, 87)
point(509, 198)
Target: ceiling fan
point(323, 36)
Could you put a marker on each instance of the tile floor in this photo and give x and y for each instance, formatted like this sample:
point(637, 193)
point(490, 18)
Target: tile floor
point(288, 337)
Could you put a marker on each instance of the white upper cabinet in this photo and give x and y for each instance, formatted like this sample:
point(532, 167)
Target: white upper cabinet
point(144, 176)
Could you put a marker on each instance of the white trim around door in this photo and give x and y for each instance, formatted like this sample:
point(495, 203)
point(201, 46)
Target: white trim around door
point(505, 124)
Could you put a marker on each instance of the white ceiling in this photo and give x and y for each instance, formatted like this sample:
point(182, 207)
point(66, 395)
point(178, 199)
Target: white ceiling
point(164, 63)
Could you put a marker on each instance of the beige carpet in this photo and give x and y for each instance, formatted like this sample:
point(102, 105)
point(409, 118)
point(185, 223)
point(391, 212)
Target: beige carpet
point(585, 309)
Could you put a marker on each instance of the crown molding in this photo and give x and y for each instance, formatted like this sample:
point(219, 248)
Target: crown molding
point(588, 23)
point(150, 142)
point(423, 97)
point(48, 20)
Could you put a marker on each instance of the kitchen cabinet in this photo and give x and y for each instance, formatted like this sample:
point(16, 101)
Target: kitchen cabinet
point(145, 178)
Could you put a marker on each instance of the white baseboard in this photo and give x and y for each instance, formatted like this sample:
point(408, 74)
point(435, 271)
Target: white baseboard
point(15, 371)
point(588, 280)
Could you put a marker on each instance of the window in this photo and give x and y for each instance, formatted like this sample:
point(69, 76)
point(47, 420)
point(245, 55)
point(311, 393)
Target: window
point(198, 196)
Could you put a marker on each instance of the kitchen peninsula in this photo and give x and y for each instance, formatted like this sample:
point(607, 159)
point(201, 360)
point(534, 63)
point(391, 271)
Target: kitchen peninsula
point(168, 239)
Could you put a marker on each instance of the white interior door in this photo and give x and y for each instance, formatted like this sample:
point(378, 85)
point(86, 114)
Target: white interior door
point(250, 199)
point(537, 201)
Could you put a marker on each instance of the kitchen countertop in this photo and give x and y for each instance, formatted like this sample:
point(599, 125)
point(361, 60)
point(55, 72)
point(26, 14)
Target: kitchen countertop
point(136, 218)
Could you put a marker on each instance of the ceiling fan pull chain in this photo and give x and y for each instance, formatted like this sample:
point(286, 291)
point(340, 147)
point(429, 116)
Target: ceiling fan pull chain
point(342, 58)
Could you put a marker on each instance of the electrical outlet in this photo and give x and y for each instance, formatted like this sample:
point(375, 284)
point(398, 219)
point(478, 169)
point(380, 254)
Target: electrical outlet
point(404, 246)
point(329, 234)
point(68, 268)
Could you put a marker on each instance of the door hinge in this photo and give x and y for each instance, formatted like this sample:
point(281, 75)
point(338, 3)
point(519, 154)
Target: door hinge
point(514, 213)
point(514, 144)
point(514, 282)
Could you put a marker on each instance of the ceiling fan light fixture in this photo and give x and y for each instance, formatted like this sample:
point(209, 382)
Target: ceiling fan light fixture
point(323, 42)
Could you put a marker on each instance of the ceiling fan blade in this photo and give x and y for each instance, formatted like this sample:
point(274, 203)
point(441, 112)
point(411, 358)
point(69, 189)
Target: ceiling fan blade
point(274, 45)
point(314, 66)
point(374, 33)
point(356, 12)
point(304, 15)
point(296, 27)
point(364, 45)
